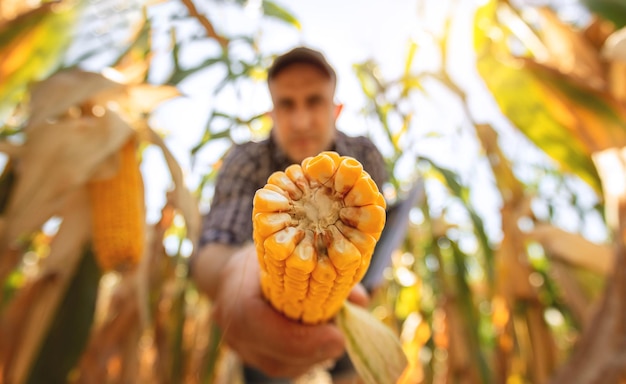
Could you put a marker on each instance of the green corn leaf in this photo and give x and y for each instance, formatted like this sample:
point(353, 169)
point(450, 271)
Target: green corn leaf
point(69, 331)
point(462, 193)
point(272, 9)
point(613, 10)
point(468, 310)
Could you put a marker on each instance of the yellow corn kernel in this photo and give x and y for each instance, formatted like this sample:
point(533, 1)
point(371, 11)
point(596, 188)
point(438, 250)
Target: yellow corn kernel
point(296, 175)
point(315, 227)
point(118, 214)
point(270, 223)
point(364, 192)
point(282, 243)
point(342, 253)
point(268, 200)
point(320, 168)
point(282, 181)
point(303, 259)
point(368, 218)
point(364, 242)
point(348, 172)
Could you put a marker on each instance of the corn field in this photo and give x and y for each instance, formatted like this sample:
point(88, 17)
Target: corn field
point(512, 263)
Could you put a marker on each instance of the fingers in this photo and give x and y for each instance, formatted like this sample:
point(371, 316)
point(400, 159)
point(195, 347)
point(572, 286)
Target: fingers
point(263, 337)
point(271, 335)
point(359, 296)
point(274, 367)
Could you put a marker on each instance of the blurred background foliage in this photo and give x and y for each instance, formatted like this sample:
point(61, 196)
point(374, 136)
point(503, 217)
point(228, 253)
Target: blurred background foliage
point(530, 292)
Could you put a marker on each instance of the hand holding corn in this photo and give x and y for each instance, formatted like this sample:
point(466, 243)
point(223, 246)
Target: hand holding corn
point(315, 227)
point(329, 219)
point(261, 336)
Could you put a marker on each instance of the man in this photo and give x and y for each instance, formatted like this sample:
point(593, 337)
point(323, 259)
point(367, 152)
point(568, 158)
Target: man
point(302, 86)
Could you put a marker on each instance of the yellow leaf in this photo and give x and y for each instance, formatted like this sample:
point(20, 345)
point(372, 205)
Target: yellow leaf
point(145, 97)
point(570, 52)
point(508, 185)
point(31, 47)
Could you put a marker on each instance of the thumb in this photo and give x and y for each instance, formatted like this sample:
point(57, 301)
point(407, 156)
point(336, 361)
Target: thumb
point(359, 295)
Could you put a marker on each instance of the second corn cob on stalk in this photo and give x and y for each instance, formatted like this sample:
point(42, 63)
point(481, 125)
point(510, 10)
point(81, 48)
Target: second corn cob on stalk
point(315, 228)
point(118, 214)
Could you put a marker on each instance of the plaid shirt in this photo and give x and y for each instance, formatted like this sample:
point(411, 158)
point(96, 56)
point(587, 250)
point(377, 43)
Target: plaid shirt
point(246, 168)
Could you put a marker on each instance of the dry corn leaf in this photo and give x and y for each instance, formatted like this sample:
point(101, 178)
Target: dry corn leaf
point(599, 354)
point(614, 52)
point(461, 359)
point(149, 261)
point(611, 164)
point(513, 280)
point(572, 293)
point(134, 71)
point(183, 199)
point(145, 97)
point(597, 31)
point(12, 324)
point(541, 344)
point(11, 150)
point(512, 270)
point(108, 168)
point(109, 340)
point(592, 117)
point(57, 159)
point(133, 102)
point(135, 63)
point(508, 184)
point(617, 80)
point(573, 248)
point(513, 22)
point(571, 53)
point(75, 85)
point(374, 349)
point(65, 252)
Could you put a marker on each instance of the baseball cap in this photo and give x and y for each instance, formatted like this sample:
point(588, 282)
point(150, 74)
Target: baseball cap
point(300, 55)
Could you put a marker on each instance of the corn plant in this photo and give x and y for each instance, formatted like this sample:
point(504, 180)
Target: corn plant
point(531, 302)
point(70, 310)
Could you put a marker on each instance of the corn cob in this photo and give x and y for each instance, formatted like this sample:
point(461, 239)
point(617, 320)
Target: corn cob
point(315, 226)
point(118, 214)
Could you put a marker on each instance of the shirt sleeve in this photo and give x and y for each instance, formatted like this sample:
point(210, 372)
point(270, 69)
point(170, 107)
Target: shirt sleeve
point(229, 220)
point(373, 162)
